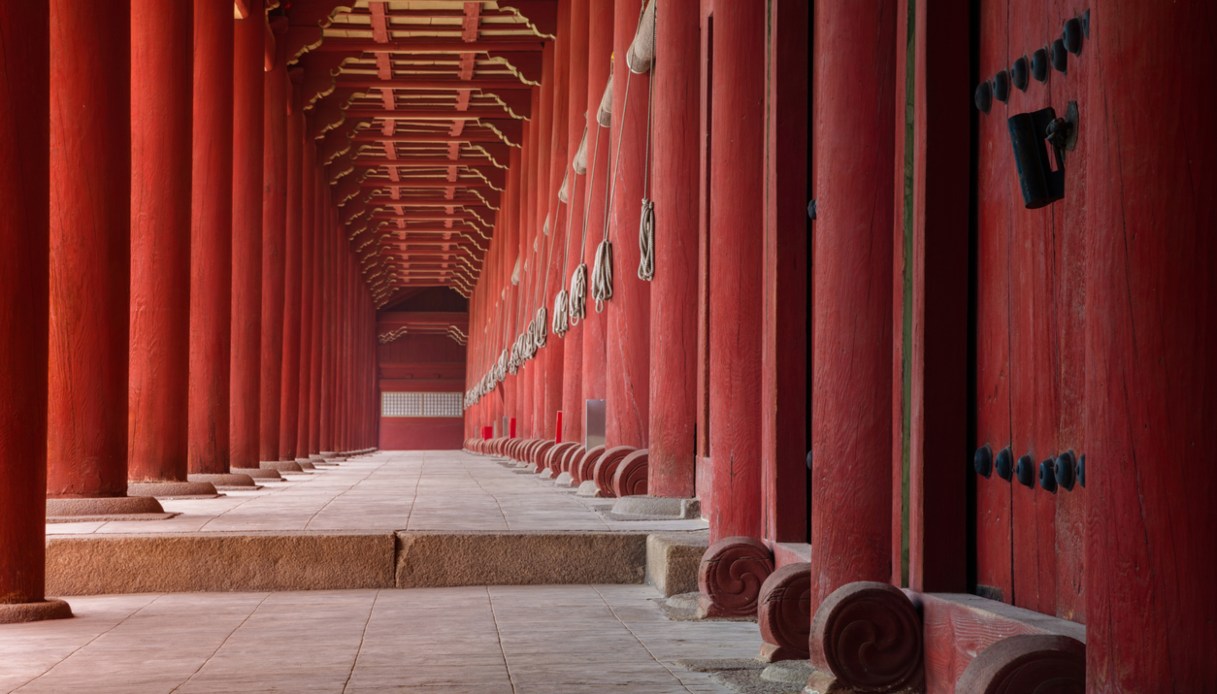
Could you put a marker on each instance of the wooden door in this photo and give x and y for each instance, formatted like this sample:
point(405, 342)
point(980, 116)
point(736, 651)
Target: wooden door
point(1030, 319)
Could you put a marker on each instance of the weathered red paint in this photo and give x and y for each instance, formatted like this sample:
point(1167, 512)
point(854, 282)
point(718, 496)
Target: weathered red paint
point(1030, 332)
point(599, 46)
point(628, 327)
point(672, 411)
point(735, 266)
point(784, 346)
point(90, 254)
point(24, 197)
point(298, 227)
point(572, 214)
point(243, 420)
point(1150, 394)
point(851, 391)
point(160, 245)
point(559, 159)
point(317, 279)
point(274, 210)
point(210, 240)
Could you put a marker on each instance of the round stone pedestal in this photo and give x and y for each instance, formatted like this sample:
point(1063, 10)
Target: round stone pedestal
point(18, 612)
point(105, 508)
point(173, 489)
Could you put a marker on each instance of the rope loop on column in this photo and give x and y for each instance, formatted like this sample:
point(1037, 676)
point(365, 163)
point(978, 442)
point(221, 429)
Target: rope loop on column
point(646, 242)
point(561, 314)
point(602, 275)
point(539, 330)
point(578, 294)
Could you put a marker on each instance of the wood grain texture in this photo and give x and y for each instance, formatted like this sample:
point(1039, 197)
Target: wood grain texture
point(852, 390)
point(90, 159)
point(1151, 384)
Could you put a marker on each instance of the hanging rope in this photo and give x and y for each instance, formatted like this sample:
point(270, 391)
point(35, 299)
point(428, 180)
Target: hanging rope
point(602, 271)
point(646, 223)
point(578, 280)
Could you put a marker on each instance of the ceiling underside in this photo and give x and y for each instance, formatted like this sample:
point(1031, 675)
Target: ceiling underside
point(415, 106)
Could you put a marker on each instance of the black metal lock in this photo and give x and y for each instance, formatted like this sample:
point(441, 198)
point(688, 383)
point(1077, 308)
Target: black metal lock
point(1025, 471)
point(1004, 464)
point(1064, 469)
point(1040, 183)
point(982, 462)
point(1048, 475)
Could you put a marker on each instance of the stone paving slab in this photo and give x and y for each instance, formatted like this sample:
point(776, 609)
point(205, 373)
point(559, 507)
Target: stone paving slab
point(388, 491)
point(511, 639)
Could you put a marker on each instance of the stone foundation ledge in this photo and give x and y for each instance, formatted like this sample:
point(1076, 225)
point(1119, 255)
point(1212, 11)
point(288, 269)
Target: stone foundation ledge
point(214, 562)
point(426, 559)
point(673, 559)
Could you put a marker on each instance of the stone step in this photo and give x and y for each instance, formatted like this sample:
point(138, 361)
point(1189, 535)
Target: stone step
point(277, 561)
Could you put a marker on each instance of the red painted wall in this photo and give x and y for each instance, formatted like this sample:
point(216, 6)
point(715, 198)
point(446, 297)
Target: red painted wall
point(422, 363)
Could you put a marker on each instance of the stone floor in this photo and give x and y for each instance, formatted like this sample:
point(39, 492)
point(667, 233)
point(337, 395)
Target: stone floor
point(390, 490)
point(516, 639)
point(562, 639)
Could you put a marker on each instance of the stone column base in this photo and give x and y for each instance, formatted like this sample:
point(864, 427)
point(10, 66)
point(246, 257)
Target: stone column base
point(172, 489)
point(18, 612)
point(70, 510)
point(280, 465)
point(655, 508)
point(225, 481)
point(784, 613)
point(259, 473)
point(868, 636)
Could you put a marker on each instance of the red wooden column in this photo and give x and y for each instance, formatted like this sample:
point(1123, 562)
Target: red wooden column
point(296, 343)
point(207, 405)
point(736, 197)
point(161, 39)
point(321, 200)
point(90, 261)
point(1151, 384)
point(329, 300)
point(559, 160)
point(248, 36)
point(851, 399)
point(673, 330)
point(599, 50)
point(24, 197)
point(627, 336)
point(576, 105)
point(274, 263)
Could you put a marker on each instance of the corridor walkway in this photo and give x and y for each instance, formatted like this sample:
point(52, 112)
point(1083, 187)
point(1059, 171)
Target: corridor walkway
point(542, 638)
point(514, 639)
point(390, 490)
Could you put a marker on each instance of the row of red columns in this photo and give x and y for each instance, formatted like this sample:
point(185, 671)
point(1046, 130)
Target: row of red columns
point(180, 184)
point(606, 356)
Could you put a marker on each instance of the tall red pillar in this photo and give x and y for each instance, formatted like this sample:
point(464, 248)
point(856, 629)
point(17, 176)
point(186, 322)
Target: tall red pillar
point(852, 290)
point(736, 197)
point(555, 346)
point(673, 330)
point(572, 355)
point(161, 40)
point(207, 406)
point(1151, 384)
point(320, 229)
point(89, 261)
point(307, 281)
point(274, 229)
point(599, 49)
point(295, 255)
point(248, 58)
point(24, 197)
point(628, 313)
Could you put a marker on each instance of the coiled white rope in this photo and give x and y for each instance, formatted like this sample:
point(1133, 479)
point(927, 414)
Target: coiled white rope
point(646, 222)
point(578, 294)
point(561, 314)
point(602, 275)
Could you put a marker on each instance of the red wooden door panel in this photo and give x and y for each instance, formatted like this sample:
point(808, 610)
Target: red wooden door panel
point(1030, 323)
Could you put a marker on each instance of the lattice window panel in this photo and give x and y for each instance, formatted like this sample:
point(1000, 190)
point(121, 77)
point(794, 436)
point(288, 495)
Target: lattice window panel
point(420, 405)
